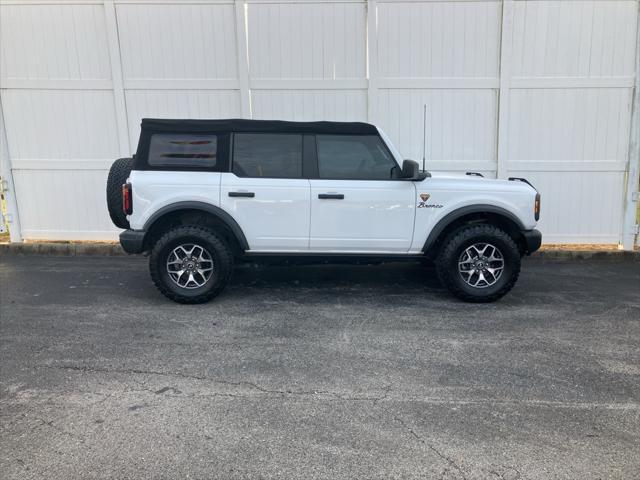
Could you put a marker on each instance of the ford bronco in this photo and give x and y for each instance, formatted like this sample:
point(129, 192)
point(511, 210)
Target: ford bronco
point(199, 195)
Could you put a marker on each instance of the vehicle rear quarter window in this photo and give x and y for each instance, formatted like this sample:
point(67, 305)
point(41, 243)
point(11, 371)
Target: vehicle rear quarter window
point(183, 150)
point(354, 157)
point(267, 155)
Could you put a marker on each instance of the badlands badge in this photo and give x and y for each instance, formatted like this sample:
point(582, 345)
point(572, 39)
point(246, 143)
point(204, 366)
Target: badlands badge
point(423, 204)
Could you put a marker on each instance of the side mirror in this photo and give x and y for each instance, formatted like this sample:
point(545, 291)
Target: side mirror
point(411, 171)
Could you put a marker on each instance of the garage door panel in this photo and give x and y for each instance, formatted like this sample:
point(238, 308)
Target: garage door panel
point(59, 42)
point(439, 39)
point(577, 38)
point(310, 105)
point(60, 124)
point(60, 204)
point(461, 124)
point(578, 207)
point(188, 41)
point(307, 40)
point(178, 104)
point(585, 124)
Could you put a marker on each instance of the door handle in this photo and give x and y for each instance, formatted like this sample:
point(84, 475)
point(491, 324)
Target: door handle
point(242, 194)
point(333, 196)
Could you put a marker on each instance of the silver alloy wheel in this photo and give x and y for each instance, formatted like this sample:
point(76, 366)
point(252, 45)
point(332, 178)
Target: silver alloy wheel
point(481, 265)
point(189, 266)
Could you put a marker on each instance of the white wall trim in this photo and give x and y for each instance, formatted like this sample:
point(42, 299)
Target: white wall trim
point(630, 217)
point(445, 83)
point(61, 164)
point(582, 238)
point(242, 54)
point(74, 234)
point(372, 60)
point(8, 187)
point(181, 84)
point(504, 94)
point(460, 166)
point(116, 74)
point(571, 82)
point(566, 166)
point(56, 84)
point(307, 84)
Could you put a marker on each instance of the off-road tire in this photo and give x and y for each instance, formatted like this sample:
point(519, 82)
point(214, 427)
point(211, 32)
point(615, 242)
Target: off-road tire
point(453, 247)
point(212, 242)
point(118, 174)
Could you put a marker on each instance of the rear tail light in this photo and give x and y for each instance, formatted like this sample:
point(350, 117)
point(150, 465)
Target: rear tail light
point(127, 200)
point(536, 207)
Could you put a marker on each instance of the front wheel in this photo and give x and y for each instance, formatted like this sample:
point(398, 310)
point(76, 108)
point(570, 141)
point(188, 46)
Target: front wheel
point(190, 264)
point(478, 263)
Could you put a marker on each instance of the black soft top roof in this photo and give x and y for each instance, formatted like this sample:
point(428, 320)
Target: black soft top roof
point(262, 126)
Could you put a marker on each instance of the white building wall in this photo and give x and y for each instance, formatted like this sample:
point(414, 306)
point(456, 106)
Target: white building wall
point(541, 89)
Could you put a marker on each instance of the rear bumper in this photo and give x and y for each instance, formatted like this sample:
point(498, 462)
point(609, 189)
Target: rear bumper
point(533, 240)
point(132, 241)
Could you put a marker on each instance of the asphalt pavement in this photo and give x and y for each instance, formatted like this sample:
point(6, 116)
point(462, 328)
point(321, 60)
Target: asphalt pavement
point(307, 372)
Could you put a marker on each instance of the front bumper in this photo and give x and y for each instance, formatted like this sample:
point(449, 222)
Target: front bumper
point(132, 241)
point(532, 239)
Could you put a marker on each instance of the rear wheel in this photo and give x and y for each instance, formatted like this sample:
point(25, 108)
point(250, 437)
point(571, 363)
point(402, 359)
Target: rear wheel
point(118, 174)
point(190, 264)
point(479, 263)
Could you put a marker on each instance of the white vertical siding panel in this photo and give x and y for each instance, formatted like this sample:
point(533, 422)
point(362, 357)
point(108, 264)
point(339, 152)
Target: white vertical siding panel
point(591, 38)
point(461, 123)
point(179, 104)
point(309, 105)
point(307, 40)
point(60, 124)
point(576, 127)
point(582, 125)
point(58, 42)
point(182, 41)
point(79, 210)
point(579, 207)
point(439, 39)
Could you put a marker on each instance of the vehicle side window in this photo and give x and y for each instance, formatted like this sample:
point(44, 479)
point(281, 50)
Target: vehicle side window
point(354, 157)
point(267, 155)
point(183, 150)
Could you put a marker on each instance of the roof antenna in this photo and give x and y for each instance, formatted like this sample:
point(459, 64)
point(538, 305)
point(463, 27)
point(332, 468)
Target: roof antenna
point(424, 138)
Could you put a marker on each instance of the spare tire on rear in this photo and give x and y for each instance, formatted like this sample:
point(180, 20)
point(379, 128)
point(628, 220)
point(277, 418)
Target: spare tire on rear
point(118, 174)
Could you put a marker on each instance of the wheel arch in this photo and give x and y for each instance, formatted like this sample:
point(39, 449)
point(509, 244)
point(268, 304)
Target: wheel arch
point(201, 213)
point(491, 214)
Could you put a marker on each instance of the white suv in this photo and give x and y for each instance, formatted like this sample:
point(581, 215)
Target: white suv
point(201, 194)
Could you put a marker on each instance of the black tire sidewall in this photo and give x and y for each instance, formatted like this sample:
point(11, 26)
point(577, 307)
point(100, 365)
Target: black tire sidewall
point(216, 247)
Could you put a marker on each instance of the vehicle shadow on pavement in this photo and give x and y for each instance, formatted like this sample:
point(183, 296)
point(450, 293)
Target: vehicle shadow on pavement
point(388, 275)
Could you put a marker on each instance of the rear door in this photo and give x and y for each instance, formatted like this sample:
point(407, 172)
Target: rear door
point(266, 193)
point(358, 202)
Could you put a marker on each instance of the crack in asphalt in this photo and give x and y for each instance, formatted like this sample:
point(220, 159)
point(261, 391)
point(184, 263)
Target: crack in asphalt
point(627, 406)
point(444, 457)
point(501, 476)
point(386, 389)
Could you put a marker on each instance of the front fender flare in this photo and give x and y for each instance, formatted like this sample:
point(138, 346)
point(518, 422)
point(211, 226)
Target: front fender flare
point(445, 221)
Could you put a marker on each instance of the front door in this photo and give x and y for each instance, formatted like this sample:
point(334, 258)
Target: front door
point(358, 203)
point(265, 192)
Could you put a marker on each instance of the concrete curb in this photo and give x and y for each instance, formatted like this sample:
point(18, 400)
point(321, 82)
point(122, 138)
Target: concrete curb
point(63, 249)
point(577, 255)
point(114, 250)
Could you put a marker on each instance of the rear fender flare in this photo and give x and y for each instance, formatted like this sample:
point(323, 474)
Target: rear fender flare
point(217, 212)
